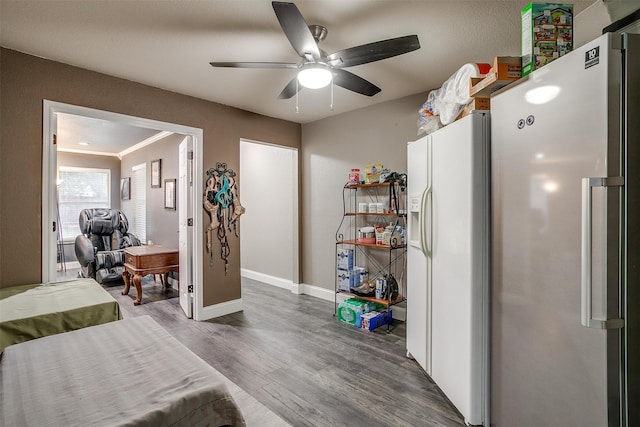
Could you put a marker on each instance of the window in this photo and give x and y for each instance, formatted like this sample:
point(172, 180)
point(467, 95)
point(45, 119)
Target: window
point(80, 188)
point(138, 224)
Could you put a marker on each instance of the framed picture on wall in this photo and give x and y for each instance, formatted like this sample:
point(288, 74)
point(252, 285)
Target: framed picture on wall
point(156, 173)
point(170, 194)
point(125, 189)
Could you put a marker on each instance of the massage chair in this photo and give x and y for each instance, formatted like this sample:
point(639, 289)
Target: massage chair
point(100, 247)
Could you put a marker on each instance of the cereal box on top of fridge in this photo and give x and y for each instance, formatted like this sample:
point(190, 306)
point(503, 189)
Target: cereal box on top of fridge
point(547, 34)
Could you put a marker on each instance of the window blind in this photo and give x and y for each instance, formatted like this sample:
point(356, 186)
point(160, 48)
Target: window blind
point(138, 224)
point(80, 188)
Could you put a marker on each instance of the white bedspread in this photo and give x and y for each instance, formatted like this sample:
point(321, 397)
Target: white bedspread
point(128, 372)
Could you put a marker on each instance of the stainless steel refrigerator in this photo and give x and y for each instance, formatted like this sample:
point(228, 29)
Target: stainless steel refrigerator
point(448, 260)
point(566, 241)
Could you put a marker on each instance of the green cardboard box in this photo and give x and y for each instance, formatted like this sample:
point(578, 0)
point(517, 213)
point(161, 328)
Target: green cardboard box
point(547, 34)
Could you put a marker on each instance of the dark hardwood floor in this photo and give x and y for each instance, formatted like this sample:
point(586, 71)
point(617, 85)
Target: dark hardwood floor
point(294, 357)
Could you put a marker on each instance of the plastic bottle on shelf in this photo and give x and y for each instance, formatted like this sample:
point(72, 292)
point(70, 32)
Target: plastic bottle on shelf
point(386, 235)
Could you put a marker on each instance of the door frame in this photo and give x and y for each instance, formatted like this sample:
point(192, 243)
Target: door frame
point(49, 177)
point(185, 234)
point(294, 286)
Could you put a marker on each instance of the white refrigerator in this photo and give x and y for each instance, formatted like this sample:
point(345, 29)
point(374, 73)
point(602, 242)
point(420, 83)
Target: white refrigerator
point(448, 260)
point(566, 241)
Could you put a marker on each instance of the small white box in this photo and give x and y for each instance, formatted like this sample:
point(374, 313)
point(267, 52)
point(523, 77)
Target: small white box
point(344, 280)
point(362, 207)
point(381, 287)
point(345, 259)
point(373, 207)
point(379, 207)
point(358, 275)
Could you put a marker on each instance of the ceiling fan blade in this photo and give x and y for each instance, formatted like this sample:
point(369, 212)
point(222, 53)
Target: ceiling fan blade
point(373, 51)
point(254, 64)
point(290, 89)
point(296, 29)
point(347, 80)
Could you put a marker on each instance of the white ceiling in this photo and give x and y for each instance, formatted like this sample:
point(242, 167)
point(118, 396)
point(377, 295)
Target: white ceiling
point(169, 44)
point(92, 135)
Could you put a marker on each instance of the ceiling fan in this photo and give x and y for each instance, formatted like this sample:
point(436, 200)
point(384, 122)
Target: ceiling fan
point(317, 68)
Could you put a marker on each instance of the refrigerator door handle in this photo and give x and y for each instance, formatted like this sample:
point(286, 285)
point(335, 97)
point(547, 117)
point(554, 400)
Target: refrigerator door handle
point(427, 234)
point(586, 279)
point(421, 221)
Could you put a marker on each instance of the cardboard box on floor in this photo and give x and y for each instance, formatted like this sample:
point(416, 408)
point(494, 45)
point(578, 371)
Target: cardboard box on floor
point(505, 70)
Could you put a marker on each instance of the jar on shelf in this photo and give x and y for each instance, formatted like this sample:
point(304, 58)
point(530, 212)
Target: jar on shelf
point(354, 176)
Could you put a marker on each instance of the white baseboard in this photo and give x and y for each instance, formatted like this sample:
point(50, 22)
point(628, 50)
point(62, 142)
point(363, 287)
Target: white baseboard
point(296, 288)
point(318, 292)
point(266, 278)
point(399, 311)
point(222, 309)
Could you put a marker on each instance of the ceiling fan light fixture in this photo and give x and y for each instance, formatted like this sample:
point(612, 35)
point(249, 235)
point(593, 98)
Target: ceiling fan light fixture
point(314, 76)
point(317, 69)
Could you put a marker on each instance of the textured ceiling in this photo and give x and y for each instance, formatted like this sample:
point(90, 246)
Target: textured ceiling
point(168, 44)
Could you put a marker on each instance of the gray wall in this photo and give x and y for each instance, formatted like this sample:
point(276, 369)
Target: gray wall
point(162, 224)
point(330, 148)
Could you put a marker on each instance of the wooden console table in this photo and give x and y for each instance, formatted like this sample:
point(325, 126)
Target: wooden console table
point(142, 260)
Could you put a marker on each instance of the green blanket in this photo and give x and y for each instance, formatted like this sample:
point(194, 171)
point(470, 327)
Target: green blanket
point(39, 310)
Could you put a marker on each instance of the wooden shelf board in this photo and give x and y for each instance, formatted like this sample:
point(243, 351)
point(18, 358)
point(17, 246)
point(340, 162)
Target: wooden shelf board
point(377, 184)
point(370, 245)
point(374, 214)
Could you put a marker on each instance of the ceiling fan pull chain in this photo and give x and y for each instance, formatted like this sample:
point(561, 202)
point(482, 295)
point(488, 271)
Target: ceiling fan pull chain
point(331, 106)
point(297, 92)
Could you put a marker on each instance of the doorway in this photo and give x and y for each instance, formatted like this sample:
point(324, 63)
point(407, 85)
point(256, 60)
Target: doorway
point(269, 241)
point(51, 110)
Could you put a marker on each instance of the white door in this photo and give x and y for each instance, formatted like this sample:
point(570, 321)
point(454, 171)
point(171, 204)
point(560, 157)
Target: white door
point(185, 218)
point(459, 216)
point(541, 152)
point(418, 284)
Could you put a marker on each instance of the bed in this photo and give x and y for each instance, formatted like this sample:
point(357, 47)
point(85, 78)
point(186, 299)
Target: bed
point(38, 310)
point(130, 372)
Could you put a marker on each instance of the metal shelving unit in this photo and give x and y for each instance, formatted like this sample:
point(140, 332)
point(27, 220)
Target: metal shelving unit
point(380, 260)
